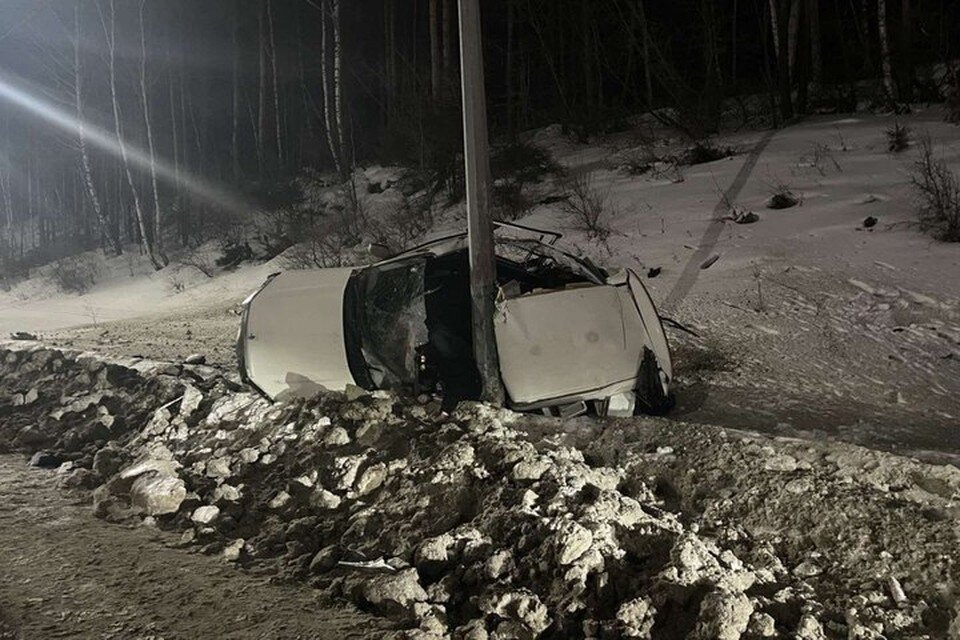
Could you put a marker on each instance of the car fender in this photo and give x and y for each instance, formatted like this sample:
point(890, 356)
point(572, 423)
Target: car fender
point(653, 324)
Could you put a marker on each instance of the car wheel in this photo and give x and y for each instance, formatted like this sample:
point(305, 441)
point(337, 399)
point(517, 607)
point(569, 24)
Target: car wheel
point(653, 398)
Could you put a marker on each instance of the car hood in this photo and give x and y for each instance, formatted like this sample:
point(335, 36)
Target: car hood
point(576, 342)
point(292, 340)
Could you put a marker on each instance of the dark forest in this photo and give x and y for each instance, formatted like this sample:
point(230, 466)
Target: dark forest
point(191, 111)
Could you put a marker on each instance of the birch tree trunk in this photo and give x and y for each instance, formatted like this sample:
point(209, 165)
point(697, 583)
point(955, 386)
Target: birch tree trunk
point(111, 35)
point(775, 27)
point(8, 203)
point(276, 89)
point(885, 48)
point(145, 100)
point(309, 108)
point(338, 82)
point(4, 198)
point(325, 76)
point(175, 144)
point(105, 229)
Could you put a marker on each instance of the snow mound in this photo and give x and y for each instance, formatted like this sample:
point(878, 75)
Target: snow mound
point(461, 524)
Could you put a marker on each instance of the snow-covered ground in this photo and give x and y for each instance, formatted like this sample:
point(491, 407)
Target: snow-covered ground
point(127, 287)
point(810, 328)
point(809, 323)
point(657, 222)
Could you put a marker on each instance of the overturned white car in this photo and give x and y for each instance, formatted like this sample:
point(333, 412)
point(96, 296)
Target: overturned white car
point(570, 337)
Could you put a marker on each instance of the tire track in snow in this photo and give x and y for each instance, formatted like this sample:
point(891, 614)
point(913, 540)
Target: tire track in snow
point(709, 240)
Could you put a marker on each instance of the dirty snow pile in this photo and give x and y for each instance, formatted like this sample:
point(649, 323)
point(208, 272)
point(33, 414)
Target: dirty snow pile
point(469, 526)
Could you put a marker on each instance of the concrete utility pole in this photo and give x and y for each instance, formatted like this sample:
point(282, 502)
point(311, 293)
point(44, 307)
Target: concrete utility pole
point(483, 280)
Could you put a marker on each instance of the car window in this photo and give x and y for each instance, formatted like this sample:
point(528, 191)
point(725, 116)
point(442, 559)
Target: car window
point(394, 321)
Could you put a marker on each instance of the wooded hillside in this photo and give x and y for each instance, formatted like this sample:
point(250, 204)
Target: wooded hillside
point(150, 122)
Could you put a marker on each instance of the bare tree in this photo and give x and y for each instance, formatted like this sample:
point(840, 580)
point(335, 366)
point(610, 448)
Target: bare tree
point(733, 44)
point(338, 79)
point(7, 198)
point(145, 101)
point(449, 17)
point(235, 98)
point(885, 48)
point(508, 67)
point(775, 24)
point(586, 29)
point(389, 60)
point(779, 22)
point(906, 54)
point(435, 54)
point(325, 72)
point(813, 22)
point(793, 36)
point(261, 90)
point(175, 133)
point(111, 36)
point(8, 201)
point(105, 229)
point(276, 88)
point(648, 83)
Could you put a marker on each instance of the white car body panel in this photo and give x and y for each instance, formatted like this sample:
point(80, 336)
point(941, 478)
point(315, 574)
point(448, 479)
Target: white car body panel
point(579, 343)
point(656, 338)
point(294, 343)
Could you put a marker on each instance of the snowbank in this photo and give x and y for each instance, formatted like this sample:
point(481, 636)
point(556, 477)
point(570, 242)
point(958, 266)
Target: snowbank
point(485, 523)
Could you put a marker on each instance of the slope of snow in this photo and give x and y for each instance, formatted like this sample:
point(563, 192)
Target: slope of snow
point(656, 222)
point(809, 324)
point(126, 288)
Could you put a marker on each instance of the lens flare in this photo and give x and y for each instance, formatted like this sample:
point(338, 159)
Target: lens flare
point(102, 139)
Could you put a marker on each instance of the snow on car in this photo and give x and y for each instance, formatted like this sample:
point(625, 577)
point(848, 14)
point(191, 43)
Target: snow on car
point(571, 337)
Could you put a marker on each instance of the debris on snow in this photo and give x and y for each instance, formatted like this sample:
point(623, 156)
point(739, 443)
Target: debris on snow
point(709, 261)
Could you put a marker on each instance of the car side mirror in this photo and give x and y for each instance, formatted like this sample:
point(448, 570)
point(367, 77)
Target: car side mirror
point(380, 251)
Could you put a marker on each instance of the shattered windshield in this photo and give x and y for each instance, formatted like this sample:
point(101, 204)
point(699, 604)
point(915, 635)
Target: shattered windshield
point(394, 322)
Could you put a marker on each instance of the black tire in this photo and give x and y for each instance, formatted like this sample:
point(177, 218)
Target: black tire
point(652, 399)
